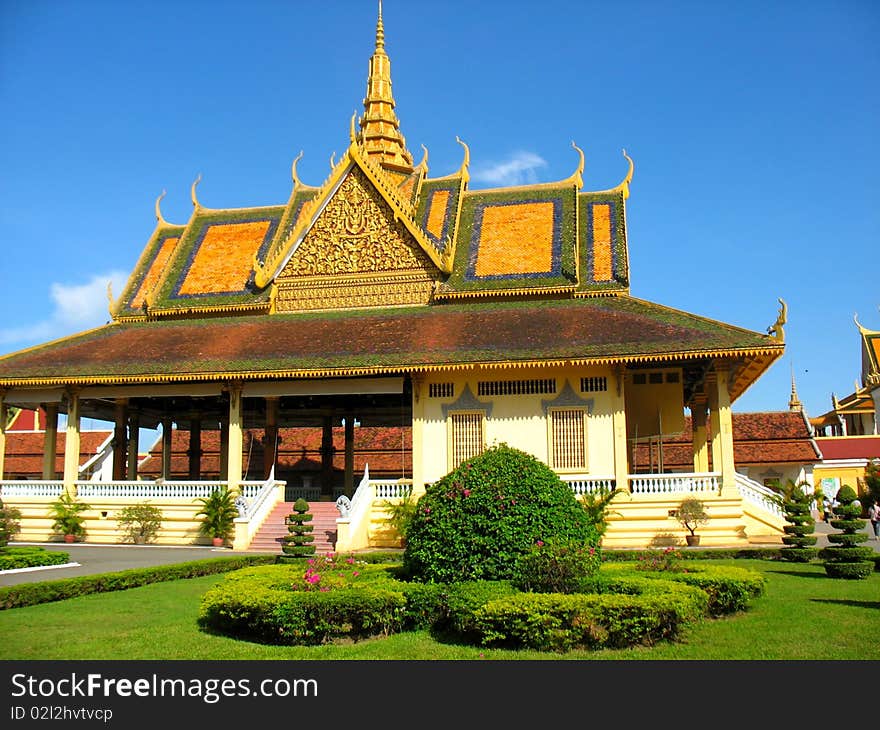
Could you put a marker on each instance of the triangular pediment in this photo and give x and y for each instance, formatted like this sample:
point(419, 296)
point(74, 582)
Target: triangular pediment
point(356, 251)
point(356, 233)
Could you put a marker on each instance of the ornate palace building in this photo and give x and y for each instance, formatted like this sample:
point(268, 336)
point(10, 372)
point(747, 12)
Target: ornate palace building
point(389, 297)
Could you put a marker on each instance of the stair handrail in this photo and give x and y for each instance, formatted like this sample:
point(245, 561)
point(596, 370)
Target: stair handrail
point(759, 495)
point(354, 513)
point(253, 512)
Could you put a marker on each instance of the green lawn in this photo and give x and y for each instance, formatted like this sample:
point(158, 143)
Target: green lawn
point(803, 615)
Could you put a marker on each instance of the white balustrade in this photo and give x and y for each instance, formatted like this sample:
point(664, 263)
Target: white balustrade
point(582, 484)
point(391, 488)
point(149, 490)
point(684, 483)
point(758, 495)
point(31, 488)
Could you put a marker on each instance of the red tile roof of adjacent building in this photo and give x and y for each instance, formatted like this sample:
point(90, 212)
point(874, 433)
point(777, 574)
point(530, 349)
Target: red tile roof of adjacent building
point(849, 447)
point(24, 451)
point(770, 437)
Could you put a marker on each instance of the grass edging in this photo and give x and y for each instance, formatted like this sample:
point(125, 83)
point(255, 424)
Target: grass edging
point(31, 594)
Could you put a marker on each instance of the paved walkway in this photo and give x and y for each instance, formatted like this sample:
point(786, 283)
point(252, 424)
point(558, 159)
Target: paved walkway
point(94, 559)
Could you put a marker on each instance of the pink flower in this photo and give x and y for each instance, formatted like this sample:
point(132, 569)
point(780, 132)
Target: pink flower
point(539, 543)
point(467, 492)
point(350, 561)
point(313, 578)
point(355, 574)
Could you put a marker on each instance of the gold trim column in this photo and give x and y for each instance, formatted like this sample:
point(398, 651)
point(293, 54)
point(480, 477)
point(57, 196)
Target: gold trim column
point(349, 454)
point(618, 424)
point(235, 439)
point(134, 440)
point(50, 440)
point(71, 443)
point(722, 431)
point(700, 436)
point(418, 435)
point(167, 446)
point(270, 436)
point(120, 439)
point(3, 415)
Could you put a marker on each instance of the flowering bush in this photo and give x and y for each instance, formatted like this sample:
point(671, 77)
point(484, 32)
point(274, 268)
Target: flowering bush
point(328, 572)
point(475, 523)
point(557, 567)
point(668, 560)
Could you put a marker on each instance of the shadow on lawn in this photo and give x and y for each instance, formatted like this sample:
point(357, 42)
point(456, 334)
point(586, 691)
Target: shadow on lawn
point(797, 574)
point(843, 602)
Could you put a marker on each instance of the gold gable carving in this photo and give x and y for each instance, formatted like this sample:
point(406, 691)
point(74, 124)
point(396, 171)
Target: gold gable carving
point(355, 255)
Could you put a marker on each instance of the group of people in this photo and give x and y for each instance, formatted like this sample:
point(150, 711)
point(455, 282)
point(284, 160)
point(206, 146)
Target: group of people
point(873, 515)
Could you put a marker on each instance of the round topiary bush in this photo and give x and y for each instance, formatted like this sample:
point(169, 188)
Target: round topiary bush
point(846, 559)
point(299, 542)
point(477, 521)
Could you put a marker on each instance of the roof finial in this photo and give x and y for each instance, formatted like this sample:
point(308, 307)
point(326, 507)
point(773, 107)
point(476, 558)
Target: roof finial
point(195, 200)
point(794, 403)
point(380, 30)
point(296, 180)
point(424, 163)
point(577, 177)
point(162, 221)
point(467, 159)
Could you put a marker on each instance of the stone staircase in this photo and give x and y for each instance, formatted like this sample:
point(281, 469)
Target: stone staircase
point(324, 514)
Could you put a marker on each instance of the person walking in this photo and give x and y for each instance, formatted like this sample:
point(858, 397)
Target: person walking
point(874, 516)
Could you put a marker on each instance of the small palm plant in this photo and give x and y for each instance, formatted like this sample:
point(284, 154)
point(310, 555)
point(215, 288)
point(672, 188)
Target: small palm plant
point(401, 513)
point(67, 517)
point(218, 515)
point(598, 506)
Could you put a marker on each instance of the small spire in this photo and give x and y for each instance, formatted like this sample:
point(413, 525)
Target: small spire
point(794, 403)
point(380, 134)
point(380, 30)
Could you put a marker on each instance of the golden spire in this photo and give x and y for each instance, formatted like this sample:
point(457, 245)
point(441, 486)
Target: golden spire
point(794, 403)
point(379, 127)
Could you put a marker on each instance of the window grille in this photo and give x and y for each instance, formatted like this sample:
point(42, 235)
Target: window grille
point(516, 387)
point(594, 385)
point(441, 390)
point(569, 450)
point(467, 436)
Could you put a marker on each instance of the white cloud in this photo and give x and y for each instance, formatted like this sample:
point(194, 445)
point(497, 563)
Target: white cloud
point(519, 169)
point(75, 307)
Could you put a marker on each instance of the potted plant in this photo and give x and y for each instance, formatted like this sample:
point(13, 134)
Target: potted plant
point(67, 517)
point(691, 514)
point(140, 523)
point(218, 514)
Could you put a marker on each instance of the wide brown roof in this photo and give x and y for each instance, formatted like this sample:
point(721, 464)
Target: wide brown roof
point(24, 451)
point(601, 330)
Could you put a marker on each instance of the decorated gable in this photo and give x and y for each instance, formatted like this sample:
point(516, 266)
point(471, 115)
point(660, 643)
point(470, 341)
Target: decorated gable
point(355, 254)
point(604, 263)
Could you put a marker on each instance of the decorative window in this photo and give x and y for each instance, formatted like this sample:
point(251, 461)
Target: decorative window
point(594, 385)
point(441, 390)
point(467, 436)
point(567, 439)
point(516, 387)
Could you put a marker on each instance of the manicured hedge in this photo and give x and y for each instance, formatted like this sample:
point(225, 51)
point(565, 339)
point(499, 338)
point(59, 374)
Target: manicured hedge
point(16, 558)
point(274, 604)
point(620, 555)
point(30, 594)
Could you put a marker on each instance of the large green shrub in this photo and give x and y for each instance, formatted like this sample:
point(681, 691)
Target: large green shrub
point(846, 558)
point(477, 521)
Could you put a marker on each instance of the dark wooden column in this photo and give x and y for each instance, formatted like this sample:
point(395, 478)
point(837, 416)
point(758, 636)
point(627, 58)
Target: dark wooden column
point(167, 446)
point(327, 456)
point(120, 439)
point(349, 454)
point(195, 446)
point(134, 439)
point(270, 437)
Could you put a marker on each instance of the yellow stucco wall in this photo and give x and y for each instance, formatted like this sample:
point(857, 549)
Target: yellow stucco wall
point(180, 526)
point(519, 420)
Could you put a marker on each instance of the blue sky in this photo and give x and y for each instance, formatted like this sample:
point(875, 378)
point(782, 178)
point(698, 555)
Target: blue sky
point(753, 127)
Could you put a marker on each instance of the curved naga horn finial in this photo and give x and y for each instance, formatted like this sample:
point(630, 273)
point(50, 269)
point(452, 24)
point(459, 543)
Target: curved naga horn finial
point(424, 162)
point(195, 200)
point(629, 175)
point(775, 330)
point(577, 177)
point(859, 324)
point(333, 160)
point(159, 217)
point(296, 180)
point(351, 133)
point(463, 170)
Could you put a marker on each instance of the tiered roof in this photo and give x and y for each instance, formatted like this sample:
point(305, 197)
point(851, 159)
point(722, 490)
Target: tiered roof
point(382, 268)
